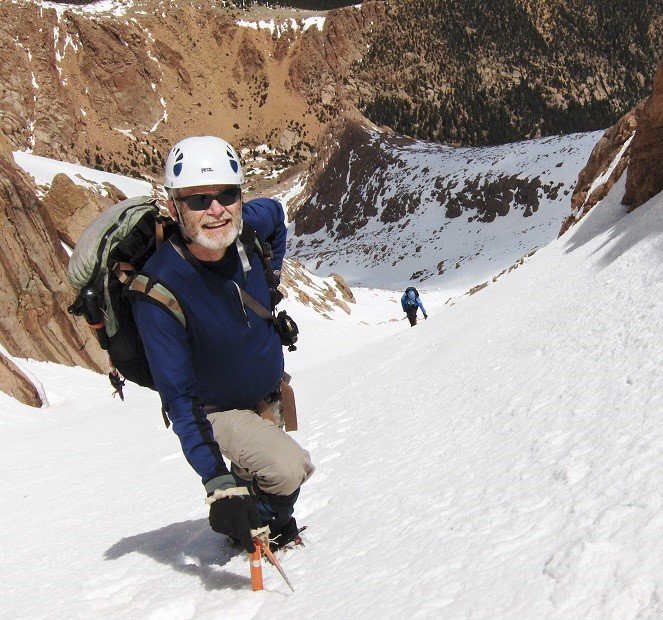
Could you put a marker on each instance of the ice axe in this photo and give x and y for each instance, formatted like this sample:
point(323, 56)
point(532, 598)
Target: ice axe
point(255, 560)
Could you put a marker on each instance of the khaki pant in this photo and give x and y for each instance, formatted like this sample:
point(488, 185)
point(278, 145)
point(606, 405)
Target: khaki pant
point(258, 448)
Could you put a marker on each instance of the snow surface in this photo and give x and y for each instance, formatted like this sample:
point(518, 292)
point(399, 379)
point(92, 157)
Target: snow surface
point(43, 170)
point(503, 459)
point(284, 26)
point(117, 8)
point(414, 250)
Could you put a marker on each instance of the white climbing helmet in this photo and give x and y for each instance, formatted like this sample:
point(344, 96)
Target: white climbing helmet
point(202, 160)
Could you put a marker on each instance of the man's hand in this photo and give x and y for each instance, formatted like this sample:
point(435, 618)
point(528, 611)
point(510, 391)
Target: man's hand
point(235, 515)
point(425, 315)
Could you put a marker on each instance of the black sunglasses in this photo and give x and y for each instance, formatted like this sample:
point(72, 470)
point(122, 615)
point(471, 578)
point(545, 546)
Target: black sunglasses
point(202, 202)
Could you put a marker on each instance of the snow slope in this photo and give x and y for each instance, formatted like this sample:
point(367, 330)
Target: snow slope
point(422, 181)
point(43, 169)
point(502, 459)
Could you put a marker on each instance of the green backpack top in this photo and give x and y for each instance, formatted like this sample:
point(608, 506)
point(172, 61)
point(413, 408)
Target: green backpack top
point(105, 268)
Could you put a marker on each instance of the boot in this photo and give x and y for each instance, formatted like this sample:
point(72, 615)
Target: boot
point(282, 536)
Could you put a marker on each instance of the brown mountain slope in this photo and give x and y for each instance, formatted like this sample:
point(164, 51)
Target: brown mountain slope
point(477, 72)
point(115, 89)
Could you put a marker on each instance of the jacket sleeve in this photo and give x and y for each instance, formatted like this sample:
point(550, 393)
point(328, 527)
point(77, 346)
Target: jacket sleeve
point(403, 298)
point(266, 217)
point(421, 305)
point(166, 345)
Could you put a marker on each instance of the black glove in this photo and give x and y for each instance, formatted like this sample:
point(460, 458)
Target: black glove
point(425, 315)
point(235, 517)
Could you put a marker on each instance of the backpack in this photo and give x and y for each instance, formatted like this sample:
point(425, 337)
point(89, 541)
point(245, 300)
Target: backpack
point(105, 267)
point(408, 301)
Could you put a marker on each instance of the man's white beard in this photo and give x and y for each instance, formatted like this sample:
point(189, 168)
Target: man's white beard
point(217, 242)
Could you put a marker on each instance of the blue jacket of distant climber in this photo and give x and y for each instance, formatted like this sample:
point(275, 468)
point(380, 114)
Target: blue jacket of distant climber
point(228, 356)
point(411, 301)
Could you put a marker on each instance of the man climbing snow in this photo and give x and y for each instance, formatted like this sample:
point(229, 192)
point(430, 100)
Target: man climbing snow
point(213, 375)
point(410, 301)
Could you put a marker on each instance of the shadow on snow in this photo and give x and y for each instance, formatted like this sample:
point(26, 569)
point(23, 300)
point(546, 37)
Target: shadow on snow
point(189, 547)
point(622, 230)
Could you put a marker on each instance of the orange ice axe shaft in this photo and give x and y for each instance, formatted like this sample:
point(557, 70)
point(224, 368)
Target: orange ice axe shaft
point(261, 546)
point(256, 568)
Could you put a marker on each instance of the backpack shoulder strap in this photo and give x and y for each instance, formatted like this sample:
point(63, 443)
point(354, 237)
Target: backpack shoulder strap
point(141, 284)
point(255, 305)
point(251, 242)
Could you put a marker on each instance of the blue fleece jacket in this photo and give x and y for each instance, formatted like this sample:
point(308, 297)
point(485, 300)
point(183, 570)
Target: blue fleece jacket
point(408, 303)
point(228, 356)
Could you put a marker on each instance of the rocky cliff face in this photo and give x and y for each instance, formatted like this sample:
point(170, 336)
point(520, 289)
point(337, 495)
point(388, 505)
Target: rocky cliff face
point(645, 172)
point(14, 382)
point(34, 290)
point(607, 162)
point(72, 207)
point(634, 145)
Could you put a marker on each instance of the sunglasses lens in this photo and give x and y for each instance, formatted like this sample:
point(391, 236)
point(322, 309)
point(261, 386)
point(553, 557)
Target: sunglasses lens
point(198, 202)
point(202, 202)
point(228, 196)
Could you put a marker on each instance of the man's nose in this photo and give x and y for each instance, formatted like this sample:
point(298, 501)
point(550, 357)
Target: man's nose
point(215, 208)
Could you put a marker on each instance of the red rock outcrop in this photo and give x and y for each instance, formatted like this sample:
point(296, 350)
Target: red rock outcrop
point(642, 159)
point(73, 207)
point(586, 195)
point(645, 171)
point(14, 382)
point(34, 290)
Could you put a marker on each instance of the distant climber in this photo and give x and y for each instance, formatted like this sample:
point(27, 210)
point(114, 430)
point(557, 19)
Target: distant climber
point(410, 301)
